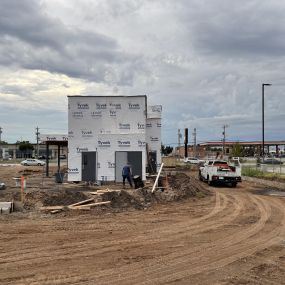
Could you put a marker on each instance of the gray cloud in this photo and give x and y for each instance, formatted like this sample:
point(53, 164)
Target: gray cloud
point(33, 40)
point(235, 29)
point(203, 60)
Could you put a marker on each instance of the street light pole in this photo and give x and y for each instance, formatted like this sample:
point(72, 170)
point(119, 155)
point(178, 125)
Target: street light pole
point(263, 84)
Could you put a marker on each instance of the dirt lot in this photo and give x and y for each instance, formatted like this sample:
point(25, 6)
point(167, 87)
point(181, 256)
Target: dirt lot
point(233, 236)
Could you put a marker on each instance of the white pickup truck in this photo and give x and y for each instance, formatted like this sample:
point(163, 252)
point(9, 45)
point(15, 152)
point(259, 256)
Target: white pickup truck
point(221, 172)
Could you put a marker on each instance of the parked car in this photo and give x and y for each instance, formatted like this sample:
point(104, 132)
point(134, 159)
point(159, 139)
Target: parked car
point(44, 157)
point(62, 156)
point(7, 158)
point(32, 162)
point(193, 160)
point(272, 161)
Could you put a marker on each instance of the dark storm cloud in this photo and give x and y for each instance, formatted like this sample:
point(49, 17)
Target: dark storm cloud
point(33, 40)
point(236, 28)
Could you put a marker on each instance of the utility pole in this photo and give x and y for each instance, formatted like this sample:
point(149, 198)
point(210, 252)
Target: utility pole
point(179, 142)
point(0, 142)
point(224, 137)
point(195, 142)
point(186, 143)
point(37, 136)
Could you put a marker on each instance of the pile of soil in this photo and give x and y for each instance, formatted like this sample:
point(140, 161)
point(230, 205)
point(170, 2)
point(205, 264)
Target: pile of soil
point(122, 199)
point(181, 186)
point(35, 199)
point(7, 196)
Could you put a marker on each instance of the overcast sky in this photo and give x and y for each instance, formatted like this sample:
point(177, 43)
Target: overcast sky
point(204, 61)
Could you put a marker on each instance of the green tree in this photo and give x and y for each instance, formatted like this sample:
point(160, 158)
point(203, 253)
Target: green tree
point(24, 146)
point(166, 150)
point(237, 150)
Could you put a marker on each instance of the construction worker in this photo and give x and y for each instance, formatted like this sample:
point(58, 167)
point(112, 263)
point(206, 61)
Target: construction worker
point(127, 173)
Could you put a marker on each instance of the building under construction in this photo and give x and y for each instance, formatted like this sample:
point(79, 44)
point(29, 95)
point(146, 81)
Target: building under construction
point(106, 132)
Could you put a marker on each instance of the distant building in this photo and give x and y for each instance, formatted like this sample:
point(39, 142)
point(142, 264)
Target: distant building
point(13, 151)
point(251, 147)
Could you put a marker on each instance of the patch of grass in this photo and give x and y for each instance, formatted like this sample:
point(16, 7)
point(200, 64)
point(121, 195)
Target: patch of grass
point(253, 172)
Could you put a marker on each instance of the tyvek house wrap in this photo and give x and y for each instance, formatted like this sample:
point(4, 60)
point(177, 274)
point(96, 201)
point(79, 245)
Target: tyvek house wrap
point(105, 124)
point(153, 131)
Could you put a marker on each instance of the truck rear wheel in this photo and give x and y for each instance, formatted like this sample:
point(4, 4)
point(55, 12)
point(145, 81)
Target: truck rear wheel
point(234, 184)
point(200, 176)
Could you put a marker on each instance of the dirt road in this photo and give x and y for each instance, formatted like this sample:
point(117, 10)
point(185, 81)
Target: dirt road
point(231, 237)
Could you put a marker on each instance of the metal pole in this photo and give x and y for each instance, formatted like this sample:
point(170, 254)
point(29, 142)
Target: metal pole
point(58, 158)
point(0, 142)
point(262, 122)
point(47, 159)
point(224, 138)
point(194, 137)
point(186, 142)
point(263, 84)
point(37, 134)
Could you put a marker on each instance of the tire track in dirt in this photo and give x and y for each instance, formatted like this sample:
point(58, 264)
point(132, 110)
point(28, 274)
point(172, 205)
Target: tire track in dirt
point(182, 264)
point(77, 244)
point(77, 253)
point(243, 200)
point(42, 256)
point(236, 253)
point(265, 213)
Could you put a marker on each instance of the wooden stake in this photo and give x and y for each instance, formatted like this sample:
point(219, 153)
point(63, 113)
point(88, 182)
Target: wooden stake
point(157, 177)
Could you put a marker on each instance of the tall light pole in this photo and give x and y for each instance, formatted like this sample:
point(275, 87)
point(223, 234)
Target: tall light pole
point(263, 84)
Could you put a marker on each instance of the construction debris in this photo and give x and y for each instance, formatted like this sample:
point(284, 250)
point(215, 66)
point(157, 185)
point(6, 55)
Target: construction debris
point(6, 207)
point(169, 186)
point(2, 186)
point(81, 202)
point(157, 177)
point(51, 208)
point(102, 192)
point(89, 206)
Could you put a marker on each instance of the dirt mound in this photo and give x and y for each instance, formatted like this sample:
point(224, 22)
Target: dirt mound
point(9, 196)
point(185, 186)
point(122, 199)
point(35, 199)
point(180, 186)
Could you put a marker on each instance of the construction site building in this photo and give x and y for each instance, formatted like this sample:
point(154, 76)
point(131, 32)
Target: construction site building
point(107, 132)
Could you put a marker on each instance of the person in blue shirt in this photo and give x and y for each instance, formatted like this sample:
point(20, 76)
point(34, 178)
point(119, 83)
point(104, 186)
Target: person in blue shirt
point(127, 173)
